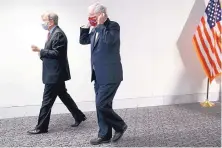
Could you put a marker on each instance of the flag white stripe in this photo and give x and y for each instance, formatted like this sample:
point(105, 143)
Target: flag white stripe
point(213, 42)
point(219, 54)
point(211, 54)
point(204, 55)
point(217, 29)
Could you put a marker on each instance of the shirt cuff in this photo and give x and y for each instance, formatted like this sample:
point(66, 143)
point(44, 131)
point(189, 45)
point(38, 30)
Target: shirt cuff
point(85, 27)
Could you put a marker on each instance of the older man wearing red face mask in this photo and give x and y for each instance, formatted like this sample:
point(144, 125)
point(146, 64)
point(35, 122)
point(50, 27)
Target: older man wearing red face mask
point(107, 70)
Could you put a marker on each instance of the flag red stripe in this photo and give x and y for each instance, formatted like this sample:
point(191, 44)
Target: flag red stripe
point(206, 49)
point(201, 58)
point(212, 48)
point(219, 38)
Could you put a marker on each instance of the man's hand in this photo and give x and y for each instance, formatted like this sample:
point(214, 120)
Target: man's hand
point(102, 18)
point(35, 48)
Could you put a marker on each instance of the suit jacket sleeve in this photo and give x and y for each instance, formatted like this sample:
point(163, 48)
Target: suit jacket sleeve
point(58, 44)
point(109, 34)
point(84, 38)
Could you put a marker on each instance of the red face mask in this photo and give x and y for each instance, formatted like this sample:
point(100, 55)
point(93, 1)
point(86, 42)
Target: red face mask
point(92, 21)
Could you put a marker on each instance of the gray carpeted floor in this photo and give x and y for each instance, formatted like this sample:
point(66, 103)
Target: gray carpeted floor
point(177, 125)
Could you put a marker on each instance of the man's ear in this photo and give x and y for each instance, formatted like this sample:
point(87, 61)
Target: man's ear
point(51, 22)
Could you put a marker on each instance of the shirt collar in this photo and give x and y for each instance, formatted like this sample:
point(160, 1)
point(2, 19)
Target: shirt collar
point(51, 30)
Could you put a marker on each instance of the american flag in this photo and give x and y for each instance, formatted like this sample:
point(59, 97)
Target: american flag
point(207, 40)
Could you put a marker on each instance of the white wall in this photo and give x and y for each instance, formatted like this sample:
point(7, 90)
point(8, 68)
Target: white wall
point(157, 53)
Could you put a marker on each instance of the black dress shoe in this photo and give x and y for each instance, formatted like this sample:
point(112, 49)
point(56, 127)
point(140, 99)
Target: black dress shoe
point(37, 131)
point(118, 135)
point(78, 122)
point(99, 140)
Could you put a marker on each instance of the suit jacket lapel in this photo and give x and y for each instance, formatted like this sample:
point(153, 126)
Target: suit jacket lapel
point(98, 37)
point(96, 40)
point(50, 36)
point(93, 39)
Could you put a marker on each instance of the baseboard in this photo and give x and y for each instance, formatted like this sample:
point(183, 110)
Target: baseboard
point(12, 112)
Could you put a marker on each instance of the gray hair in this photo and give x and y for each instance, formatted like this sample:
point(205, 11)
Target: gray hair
point(98, 8)
point(52, 16)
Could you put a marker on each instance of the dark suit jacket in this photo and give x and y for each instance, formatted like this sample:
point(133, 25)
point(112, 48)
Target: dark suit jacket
point(54, 57)
point(105, 52)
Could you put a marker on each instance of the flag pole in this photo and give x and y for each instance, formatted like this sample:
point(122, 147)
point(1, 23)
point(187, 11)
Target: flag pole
point(207, 103)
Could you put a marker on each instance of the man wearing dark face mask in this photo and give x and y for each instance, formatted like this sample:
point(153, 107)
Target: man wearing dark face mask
point(106, 70)
point(55, 73)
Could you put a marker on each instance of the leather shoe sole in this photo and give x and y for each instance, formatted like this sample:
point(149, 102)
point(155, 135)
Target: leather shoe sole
point(118, 135)
point(99, 141)
point(77, 123)
point(36, 131)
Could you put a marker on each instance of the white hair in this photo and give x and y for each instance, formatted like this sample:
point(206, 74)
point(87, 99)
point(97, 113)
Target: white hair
point(52, 16)
point(97, 8)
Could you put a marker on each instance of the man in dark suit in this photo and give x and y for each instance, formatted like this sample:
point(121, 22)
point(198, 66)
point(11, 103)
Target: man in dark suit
point(55, 73)
point(106, 70)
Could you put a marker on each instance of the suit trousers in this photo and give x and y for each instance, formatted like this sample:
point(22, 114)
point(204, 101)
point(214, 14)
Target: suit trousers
point(51, 91)
point(107, 118)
